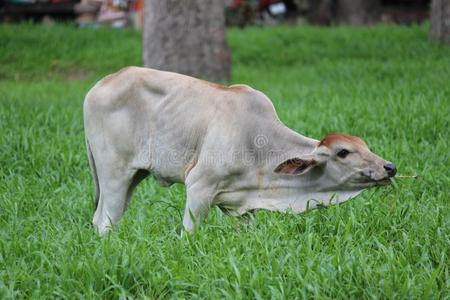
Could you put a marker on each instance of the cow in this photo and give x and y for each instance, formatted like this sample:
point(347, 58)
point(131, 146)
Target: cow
point(226, 144)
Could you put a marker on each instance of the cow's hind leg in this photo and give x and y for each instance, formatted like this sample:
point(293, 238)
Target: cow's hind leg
point(116, 188)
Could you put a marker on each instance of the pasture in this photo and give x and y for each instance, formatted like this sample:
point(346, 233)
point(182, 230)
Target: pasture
point(390, 85)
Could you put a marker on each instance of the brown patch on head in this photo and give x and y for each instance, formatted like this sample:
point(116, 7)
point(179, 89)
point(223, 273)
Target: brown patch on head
point(332, 138)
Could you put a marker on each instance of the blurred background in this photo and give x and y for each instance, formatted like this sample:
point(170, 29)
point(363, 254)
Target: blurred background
point(189, 36)
point(121, 13)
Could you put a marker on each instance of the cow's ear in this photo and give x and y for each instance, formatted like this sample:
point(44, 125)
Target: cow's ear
point(295, 166)
point(305, 163)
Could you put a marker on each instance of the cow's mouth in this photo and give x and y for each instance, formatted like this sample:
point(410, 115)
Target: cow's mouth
point(384, 181)
point(367, 180)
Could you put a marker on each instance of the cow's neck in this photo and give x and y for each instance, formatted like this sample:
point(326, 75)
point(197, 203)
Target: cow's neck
point(290, 141)
point(263, 189)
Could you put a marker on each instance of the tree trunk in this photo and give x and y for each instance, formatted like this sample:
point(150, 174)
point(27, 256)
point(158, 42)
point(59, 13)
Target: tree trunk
point(188, 37)
point(440, 20)
point(349, 12)
point(320, 12)
point(357, 12)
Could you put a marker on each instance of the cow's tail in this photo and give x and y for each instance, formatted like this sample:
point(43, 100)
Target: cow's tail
point(94, 173)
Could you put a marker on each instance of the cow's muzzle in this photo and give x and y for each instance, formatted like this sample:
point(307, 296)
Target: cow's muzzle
point(390, 169)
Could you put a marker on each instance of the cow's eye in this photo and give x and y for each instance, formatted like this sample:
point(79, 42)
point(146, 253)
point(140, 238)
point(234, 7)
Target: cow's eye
point(343, 153)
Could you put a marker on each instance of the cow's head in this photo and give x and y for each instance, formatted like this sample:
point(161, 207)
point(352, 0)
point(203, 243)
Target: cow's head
point(344, 162)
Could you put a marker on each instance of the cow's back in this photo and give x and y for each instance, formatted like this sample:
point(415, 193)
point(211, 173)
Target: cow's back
point(159, 120)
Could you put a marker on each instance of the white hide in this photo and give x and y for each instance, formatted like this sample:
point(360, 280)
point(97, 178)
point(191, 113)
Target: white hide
point(223, 143)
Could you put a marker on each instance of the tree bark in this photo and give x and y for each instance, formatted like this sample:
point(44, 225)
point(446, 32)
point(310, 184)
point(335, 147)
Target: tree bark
point(188, 37)
point(321, 12)
point(349, 12)
point(357, 12)
point(440, 20)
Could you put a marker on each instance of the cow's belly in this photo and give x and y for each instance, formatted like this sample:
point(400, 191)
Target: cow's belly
point(281, 200)
point(171, 144)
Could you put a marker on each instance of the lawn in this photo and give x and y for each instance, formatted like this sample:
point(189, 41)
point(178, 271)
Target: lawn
point(387, 84)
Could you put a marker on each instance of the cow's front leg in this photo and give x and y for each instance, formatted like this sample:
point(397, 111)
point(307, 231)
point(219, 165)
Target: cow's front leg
point(199, 197)
point(198, 203)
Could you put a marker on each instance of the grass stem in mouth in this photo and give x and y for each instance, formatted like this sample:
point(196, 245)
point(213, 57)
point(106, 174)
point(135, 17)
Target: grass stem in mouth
point(407, 176)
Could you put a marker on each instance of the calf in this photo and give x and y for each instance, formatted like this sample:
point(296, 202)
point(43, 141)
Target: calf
point(226, 144)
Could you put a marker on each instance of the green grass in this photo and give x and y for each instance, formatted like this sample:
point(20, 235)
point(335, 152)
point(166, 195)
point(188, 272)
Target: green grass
point(389, 85)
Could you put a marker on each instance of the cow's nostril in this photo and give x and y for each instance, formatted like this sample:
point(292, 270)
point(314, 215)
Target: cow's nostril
point(391, 169)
